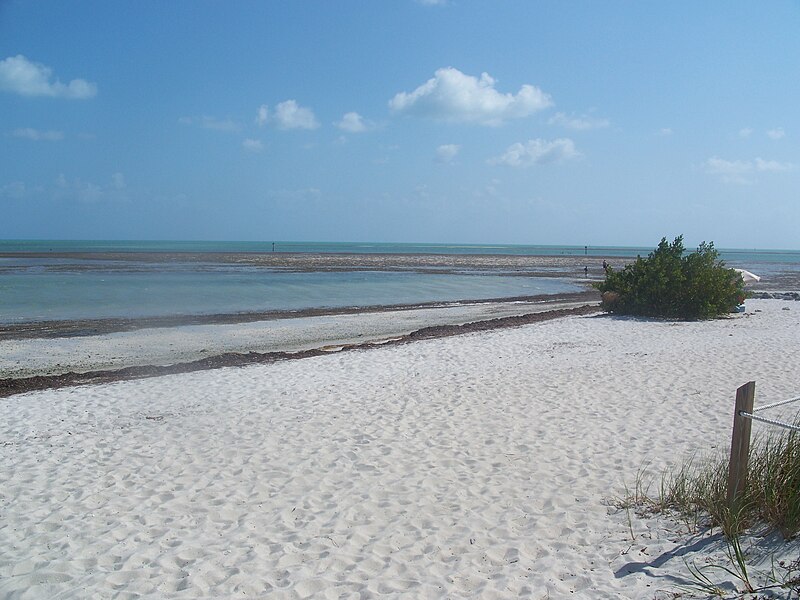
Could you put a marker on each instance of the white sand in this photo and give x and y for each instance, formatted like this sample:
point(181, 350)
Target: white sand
point(474, 466)
point(170, 345)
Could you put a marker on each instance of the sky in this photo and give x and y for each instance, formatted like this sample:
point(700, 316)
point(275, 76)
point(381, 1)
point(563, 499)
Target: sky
point(433, 121)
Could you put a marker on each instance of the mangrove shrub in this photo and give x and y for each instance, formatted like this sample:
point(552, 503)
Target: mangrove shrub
point(673, 284)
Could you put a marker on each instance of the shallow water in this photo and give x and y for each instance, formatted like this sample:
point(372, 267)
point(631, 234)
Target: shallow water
point(55, 285)
point(49, 289)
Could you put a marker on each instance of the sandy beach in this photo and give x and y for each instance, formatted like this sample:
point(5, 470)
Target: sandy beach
point(475, 466)
point(335, 301)
point(53, 354)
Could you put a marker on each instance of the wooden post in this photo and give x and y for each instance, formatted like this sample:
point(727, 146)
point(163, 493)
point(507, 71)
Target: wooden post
point(740, 442)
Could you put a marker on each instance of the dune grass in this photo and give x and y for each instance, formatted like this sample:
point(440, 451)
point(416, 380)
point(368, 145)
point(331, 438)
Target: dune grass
point(696, 491)
point(771, 495)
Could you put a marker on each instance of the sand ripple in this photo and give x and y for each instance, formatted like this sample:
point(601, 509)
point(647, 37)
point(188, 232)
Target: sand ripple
point(475, 466)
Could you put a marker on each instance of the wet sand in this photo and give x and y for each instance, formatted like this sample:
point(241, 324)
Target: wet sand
point(541, 266)
point(90, 327)
point(38, 363)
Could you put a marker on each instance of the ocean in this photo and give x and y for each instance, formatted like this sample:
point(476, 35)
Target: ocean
point(727, 254)
point(40, 280)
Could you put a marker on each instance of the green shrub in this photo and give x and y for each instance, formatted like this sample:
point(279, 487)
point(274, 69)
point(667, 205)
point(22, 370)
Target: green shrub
point(670, 283)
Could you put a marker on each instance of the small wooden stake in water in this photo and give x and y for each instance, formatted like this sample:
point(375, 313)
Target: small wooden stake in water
point(740, 442)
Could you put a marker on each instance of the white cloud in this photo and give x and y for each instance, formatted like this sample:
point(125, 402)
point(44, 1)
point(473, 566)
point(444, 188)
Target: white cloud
point(453, 96)
point(772, 166)
point(262, 115)
point(774, 134)
point(578, 123)
point(36, 135)
point(447, 152)
point(287, 115)
point(353, 122)
point(213, 123)
point(290, 115)
point(432, 2)
point(730, 171)
point(665, 131)
point(252, 145)
point(741, 171)
point(537, 152)
point(21, 76)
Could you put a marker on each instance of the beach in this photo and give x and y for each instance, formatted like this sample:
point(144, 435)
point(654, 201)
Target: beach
point(118, 314)
point(52, 354)
point(403, 300)
point(481, 465)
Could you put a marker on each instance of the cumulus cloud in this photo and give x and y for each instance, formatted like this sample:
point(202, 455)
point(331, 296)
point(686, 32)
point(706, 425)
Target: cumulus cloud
point(432, 2)
point(453, 96)
point(745, 132)
point(578, 123)
point(537, 152)
point(22, 76)
point(36, 135)
point(742, 172)
point(665, 131)
point(447, 152)
point(252, 145)
point(213, 123)
point(353, 122)
point(287, 115)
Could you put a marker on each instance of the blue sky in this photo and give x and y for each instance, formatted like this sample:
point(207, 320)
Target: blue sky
point(505, 121)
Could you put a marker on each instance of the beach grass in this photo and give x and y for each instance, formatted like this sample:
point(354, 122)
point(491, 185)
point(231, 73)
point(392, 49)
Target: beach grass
point(696, 491)
point(771, 495)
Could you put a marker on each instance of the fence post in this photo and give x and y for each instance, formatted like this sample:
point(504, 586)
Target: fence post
point(740, 442)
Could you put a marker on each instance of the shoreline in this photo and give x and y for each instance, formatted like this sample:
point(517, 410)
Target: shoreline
point(16, 385)
point(88, 327)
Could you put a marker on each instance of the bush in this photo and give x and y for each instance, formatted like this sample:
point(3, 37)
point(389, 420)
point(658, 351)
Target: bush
point(670, 283)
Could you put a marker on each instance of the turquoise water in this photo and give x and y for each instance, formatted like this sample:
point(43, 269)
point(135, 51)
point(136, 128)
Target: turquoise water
point(53, 287)
point(731, 255)
point(50, 289)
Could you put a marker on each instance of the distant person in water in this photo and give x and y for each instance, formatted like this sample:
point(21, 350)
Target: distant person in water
point(585, 271)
